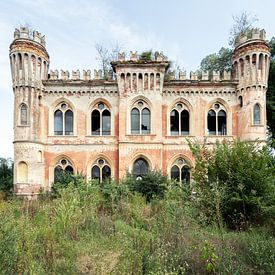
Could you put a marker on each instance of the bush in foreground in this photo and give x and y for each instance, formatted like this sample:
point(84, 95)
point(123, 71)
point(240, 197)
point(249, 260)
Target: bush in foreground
point(234, 183)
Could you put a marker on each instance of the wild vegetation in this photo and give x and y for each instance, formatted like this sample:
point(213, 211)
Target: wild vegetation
point(221, 224)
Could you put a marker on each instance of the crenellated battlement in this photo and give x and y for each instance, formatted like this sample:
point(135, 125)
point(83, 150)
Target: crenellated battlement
point(251, 35)
point(25, 33)
point(140, 58)
point(75, 75)
point(170, 76)
point(215, 76)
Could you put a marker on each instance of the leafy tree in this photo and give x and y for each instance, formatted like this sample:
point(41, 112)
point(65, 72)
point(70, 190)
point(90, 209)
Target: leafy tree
point(220, 61)
point(6, 175)
point(234, 183)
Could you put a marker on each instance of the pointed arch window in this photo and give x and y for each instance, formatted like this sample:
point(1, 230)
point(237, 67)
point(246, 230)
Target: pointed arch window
point(140, 118)
point(23, 114)
point(101, 170)
point(101, 120)
point(63, 166)
point(216, 120)
point(179, 120)
point(256, 114)
point(140, 168)
point(180, 171)
point(63, 120)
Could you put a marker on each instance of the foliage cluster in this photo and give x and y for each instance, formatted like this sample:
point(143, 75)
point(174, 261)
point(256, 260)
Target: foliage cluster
point(234, 183)
point(6, 176)
point(220, 61)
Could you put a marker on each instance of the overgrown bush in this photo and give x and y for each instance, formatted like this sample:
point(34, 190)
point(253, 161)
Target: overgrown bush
point(234, 183)
point(151, 185)
point(64, 179)
point(6, 176)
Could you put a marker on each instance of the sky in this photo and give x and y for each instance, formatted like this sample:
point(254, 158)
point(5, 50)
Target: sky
point(186, 31)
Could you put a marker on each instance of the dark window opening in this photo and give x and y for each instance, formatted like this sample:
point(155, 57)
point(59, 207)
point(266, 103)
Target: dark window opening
point(95, 123)
point(106, 172)
point(106, 122)
point(96, 173)
point(184, 122)
point(175, 173)
point(174, 122)
point(185, 174)
point(221, 123)
point(211, 122)
point(241, 101)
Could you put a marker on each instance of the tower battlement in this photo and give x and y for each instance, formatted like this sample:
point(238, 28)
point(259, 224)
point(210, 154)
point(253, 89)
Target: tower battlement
point(25, 33)
point(251, 35)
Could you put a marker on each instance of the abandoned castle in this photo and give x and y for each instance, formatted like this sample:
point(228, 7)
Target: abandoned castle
point(135, 119)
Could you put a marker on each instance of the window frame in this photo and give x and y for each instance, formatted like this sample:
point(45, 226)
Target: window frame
point(260, 115)
point(20, 114)
point(141, 105)
point(96, 108)
point(180, 166)
point(63, 166)
point(63, 111)
point(101, 167)
point(179, 111)
point(137, 175)
point(217, 111)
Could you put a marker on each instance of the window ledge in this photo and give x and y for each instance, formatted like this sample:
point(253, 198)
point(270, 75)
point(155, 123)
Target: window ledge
point(218, 136)
point(257, 125)
point(62, 136)
point(23, 126)
point(102, 136)
point(179, 136)
point(141, 135)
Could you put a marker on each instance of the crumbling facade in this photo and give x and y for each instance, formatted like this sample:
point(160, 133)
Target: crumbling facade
point(136, 119)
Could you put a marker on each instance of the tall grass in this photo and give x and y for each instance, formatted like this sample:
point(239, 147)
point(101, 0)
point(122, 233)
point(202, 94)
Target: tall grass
point(86, 231)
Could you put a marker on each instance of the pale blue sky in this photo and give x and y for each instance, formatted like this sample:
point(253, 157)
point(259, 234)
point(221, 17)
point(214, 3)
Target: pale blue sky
point(186, 31)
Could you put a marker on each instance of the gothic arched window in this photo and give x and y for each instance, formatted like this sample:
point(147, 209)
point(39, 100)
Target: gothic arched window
point(63, 166)
point(101, 170)
point(216, 120)
point(256, 114)
point(100, 120)
point(180, 171)
point(140, 118)
point(179, 120)
point(63, 120)
point(140, 168)
point(23, 114)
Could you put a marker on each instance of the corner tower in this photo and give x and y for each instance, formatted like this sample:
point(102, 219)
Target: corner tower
point(250, 62)
point(29, 61)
